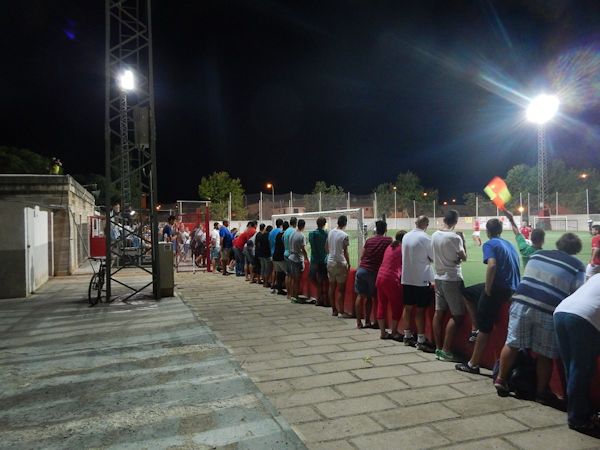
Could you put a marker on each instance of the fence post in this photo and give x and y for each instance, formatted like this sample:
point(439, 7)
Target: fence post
point(415, 209)
point(348, 201)
point(375, 205)
point(556, 210)
point(434, 212)
point(260, 207)
point(521, 206)
point(229, 208)
point(587, 202)
point(528, 210)
point(291, 203)
point(320, 202)
point(476, 206)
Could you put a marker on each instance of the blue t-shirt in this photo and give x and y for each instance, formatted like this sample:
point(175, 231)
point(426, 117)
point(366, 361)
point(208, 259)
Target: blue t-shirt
point(287, 234)
point(507, 262)
point(167, 231)
point(272, 235)
point(226, 235)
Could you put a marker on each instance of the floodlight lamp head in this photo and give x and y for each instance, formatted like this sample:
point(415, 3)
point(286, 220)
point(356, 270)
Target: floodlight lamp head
point(542, 108)
point(126, 81)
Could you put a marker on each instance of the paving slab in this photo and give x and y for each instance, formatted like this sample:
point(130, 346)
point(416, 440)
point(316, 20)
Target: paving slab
point(344, 388)
point(124, 375)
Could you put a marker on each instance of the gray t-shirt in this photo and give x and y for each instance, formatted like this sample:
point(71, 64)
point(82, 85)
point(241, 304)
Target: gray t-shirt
point(296, 243)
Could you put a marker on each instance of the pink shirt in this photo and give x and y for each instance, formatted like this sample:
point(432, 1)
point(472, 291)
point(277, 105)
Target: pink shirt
point(391, 266)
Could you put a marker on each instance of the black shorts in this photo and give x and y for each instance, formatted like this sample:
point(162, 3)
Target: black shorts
point(318, 272)
point(487, 305)
point(421, 296)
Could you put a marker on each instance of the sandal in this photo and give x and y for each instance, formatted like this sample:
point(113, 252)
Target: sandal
point(359, 325)
point(386, 336)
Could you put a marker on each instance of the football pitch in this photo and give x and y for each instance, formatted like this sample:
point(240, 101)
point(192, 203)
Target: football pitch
point(473, 268)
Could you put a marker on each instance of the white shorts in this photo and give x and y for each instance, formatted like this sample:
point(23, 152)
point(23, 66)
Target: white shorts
point(476, 233)
point(591, 270)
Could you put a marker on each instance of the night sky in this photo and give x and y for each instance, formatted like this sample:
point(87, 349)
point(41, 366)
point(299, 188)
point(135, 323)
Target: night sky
point(350, 92)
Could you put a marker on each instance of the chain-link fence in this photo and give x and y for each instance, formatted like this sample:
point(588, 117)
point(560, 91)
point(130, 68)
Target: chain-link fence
point(262, 206)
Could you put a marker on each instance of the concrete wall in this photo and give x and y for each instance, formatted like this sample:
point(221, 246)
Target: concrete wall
point(13, 280)
point(70, 204)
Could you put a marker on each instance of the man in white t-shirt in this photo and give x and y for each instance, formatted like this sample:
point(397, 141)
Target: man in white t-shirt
point(338, 265)
point(448, 253)
point(215, 246)
point(577, 326)
point(417, 256)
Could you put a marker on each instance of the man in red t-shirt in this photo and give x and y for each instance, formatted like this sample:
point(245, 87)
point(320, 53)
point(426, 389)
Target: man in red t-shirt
point(238, 247)
point(476, 232)
point(525, 230)
point(364, 284)
point(594, 265)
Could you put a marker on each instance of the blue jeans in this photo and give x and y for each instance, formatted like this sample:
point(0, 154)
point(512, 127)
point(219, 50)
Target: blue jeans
point(240, 261)
point(579, 345)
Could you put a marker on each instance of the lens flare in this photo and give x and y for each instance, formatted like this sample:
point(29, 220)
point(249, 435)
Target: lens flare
point(575, 77)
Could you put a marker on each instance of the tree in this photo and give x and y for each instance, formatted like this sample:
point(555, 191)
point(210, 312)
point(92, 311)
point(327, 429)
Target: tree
point(99, 190)
point(332, 197)
point(408, 188)
point(385, 199)
point(522, 178)
point(21, 160)
point(216, 188)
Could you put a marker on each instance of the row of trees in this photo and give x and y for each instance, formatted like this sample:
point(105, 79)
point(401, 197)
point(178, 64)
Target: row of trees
point(570, 183)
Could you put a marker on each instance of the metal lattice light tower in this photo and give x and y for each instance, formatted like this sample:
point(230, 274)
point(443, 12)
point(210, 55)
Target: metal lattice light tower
point(541, 110)
point(542, 165)
point(129, 134)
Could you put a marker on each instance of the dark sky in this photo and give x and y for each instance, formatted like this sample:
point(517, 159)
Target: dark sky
point(350, 92)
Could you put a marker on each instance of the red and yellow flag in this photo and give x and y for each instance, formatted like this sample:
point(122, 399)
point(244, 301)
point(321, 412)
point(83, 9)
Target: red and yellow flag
point(498, 192)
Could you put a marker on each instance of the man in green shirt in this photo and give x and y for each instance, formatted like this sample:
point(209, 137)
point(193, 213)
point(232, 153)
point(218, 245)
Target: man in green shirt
point(318, 260)
point(537, 239)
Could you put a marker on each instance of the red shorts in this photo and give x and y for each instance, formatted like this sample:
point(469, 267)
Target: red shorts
point(389, 292)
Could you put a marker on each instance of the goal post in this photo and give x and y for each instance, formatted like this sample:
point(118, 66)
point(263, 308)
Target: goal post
point(355, 227)
point(556, 223)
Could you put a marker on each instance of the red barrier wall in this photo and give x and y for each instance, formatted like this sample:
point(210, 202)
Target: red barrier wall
point(461, 344)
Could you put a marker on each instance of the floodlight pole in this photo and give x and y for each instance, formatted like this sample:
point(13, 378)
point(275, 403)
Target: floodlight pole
point(395, 211)
point(130, 141)
point(542, 168)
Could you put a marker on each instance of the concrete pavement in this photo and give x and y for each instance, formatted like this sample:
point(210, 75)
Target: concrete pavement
point(142, 374)
point(343, 388)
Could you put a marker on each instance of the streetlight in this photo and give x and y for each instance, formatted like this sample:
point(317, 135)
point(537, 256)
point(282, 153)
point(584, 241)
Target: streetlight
point(453, 200)
point(584, 177)
point(395, 209)
point(540, 111)
point(270, 186)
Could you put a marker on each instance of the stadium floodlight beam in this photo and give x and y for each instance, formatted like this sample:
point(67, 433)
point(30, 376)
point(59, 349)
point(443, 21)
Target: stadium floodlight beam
point(127, 81)
point(540, 111)
point(542, 108)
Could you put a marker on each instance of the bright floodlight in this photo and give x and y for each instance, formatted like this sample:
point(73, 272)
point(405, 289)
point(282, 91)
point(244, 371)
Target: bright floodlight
point(542, 108)
point(126, 81)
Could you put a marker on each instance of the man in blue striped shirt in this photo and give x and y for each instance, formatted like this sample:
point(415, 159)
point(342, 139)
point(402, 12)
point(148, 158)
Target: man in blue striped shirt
point(550, 276)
